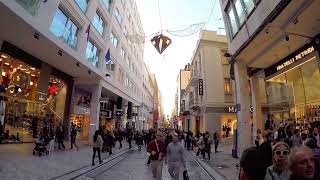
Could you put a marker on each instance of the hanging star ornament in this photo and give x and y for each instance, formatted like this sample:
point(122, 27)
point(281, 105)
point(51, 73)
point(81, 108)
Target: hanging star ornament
point(161, 42)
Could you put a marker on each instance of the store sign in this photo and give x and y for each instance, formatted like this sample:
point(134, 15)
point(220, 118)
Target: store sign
point(235, 109)
point(201, 87)
point(118, 113)
point(105, 113)
point(291, 60)
point(296, 58)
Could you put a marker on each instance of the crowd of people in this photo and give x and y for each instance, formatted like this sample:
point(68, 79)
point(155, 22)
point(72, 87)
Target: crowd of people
point(285, 153)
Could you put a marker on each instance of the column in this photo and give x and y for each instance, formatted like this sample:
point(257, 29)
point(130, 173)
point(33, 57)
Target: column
point(119, 107)
point(94, 110)
point(129, 114)
point(243, 113)
point(1, 42)
point(256, 104)
point(43, 82)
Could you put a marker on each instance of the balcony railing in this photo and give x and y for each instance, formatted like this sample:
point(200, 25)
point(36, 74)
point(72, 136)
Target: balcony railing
point(194, 104)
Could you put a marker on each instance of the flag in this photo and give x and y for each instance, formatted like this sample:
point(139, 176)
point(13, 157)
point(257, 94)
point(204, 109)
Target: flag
point(88, 32)
point(107, 57)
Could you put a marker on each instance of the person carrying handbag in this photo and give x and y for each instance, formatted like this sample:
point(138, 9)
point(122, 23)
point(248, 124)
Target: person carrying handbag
point(157, 150)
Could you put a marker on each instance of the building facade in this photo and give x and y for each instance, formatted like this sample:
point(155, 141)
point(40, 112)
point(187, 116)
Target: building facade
point(209, 96)
point(157, 120)
point(182, 82)
point(62, 60)
point(274, 51)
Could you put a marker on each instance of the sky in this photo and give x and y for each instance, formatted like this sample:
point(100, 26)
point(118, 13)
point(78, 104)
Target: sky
point(174, 15)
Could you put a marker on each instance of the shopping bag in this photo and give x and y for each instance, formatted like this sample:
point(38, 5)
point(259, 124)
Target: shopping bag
point(185, 175)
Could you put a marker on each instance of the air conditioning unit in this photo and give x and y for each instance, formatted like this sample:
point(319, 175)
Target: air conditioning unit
point(106, 113)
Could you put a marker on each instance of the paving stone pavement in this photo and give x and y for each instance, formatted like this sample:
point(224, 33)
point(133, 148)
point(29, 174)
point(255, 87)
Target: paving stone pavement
point(134, 167)
point(223, 162)
point(17, 161)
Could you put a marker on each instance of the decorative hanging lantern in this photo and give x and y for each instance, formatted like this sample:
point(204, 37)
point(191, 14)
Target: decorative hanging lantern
point(161, 42)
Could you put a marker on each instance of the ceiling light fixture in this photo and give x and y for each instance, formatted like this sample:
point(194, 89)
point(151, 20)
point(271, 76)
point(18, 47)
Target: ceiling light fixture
point(60, 52)
point(36, 35)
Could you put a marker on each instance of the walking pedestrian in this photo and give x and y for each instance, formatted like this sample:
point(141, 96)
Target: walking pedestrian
point(109, 142)
point(73, 136)
point(280, 167)
point(129, 136)
point(201, 149)
point(175, 157)
point(97, 144)
point(60, 136)
point(188, 140)
point(252, 166)
point(157, 150)
point(208, 142)
point(120, 138)
point(216, 139)
point(139, 140)
point(302, 164)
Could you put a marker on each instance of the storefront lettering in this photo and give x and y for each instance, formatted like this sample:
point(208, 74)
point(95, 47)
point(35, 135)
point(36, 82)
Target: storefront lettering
point(234, 109)
point(296, 58)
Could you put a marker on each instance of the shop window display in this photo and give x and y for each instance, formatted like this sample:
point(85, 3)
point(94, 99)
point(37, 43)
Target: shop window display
point(294, 95)
point(23, 116)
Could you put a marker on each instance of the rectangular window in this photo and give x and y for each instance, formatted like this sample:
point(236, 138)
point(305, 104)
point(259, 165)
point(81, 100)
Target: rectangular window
point(118, 15)
point(106, 4)
point(123, 53)
point(98, 23)
point(64, 28)
point(92, 54)
point(232, 21)
point(249, 5)
point(31, 6)
point(240, 12)
point(227, 86)
point(113, 39)
point(82, 4)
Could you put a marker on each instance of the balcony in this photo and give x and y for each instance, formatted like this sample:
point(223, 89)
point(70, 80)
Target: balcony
point(194, 104)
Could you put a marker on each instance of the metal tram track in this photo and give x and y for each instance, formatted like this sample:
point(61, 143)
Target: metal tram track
point(202, 167)
point(84, 170)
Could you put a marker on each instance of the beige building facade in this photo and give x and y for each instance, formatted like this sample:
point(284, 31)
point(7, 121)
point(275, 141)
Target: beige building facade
point(209, 95)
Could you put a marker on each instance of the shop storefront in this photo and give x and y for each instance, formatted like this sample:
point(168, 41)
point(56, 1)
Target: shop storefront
point(292, 86)
point(80, 115)
point(33, 96)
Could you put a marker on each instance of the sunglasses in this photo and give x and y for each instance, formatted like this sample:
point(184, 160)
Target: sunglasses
point(284, 153)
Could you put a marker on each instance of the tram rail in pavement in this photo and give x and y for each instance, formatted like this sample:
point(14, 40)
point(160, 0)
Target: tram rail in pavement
point(86, 169)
